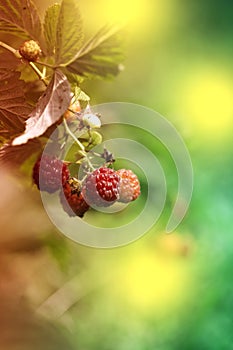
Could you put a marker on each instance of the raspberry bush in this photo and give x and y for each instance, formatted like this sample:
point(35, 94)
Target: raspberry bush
point(41, 88)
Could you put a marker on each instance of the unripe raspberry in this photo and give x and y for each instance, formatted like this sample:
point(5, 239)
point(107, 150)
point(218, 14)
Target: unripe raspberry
point(129, 188)
point(101, 187)
point(30, 50)
point(72, 201)
point(50, 173)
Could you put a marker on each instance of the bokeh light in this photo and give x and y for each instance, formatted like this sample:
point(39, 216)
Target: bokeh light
point(207, 97)
point(153, 282)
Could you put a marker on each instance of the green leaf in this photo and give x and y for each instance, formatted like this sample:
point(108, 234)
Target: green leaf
point(90, 140)
point(74, 79)
point(50, 107)
point(69, 36)
point(21, 17)
point(50, 27)
point(80, 95)
point(101, 56)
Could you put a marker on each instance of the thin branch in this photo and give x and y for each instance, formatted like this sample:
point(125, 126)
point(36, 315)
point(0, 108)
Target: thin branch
point(82, 152)
point(11, 49)
point(38, 73)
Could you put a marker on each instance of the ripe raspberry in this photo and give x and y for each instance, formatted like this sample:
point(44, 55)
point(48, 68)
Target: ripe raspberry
point(30, 50)
point(101, 187)
point(129, 186)
point(50, 173)
point(72, 201)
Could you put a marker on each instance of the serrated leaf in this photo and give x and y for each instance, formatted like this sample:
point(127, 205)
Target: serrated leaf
point(21, 15)
point(19, 154)
point(80, 95)
point(13, 106)
point(69, 36)
point(50, 27)
point(74, 79)
point(101, 56)
point(50, 107)
point(12, 29)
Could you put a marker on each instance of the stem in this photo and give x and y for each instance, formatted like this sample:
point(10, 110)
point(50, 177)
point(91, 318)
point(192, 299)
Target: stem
point(38, 72)
point(46, 64)
point(82, 152)
point(11, 49)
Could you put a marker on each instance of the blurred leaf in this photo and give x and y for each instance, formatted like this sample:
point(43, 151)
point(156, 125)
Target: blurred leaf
point(50, 27)
point(69, 35)
point(101, 56)
point(19, 154)
point(53, 103)
point(20, 17)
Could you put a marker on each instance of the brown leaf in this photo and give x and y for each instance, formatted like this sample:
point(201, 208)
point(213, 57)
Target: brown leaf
point(13, 106)
point(8, 61)
point(50, 107)
point(20, 17)
point(17, 155)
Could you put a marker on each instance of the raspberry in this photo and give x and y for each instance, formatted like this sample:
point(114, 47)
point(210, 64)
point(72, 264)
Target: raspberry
point(30, 50)
point(129, 186)
point(73, 202)
point(50, 173)
point(101, 187)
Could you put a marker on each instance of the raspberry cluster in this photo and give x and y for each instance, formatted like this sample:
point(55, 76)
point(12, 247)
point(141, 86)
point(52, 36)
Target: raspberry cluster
point(102, 187)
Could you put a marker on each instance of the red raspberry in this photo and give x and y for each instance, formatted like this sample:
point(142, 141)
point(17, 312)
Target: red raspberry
point(129, 186)
point(101, 187)
point(50, 173)
point(72, 199)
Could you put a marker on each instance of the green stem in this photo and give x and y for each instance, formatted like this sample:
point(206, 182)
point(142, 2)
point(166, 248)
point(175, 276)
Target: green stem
point(46, 64)
point(38, 72)
point(82, 152)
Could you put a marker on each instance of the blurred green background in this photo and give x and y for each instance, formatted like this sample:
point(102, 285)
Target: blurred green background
point(164, 292)
point(172, 292)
